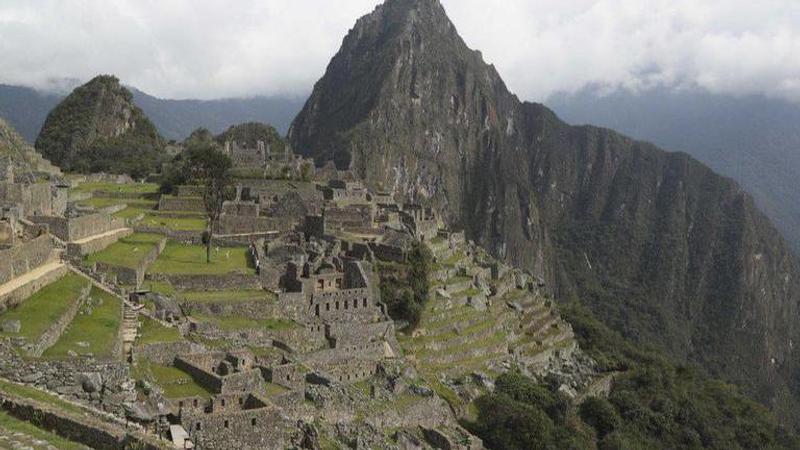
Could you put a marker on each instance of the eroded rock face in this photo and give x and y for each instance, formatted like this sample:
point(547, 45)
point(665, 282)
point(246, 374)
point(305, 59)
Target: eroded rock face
point(662, 248)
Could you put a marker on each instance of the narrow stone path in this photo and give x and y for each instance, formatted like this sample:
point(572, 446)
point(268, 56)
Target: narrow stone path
point(130, 330)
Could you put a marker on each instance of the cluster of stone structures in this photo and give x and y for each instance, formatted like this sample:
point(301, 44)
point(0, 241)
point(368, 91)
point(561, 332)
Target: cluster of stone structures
point(315, 328)
point(265, 160)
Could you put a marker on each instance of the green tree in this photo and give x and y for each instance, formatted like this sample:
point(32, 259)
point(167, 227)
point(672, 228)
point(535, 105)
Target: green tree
point(210, 168)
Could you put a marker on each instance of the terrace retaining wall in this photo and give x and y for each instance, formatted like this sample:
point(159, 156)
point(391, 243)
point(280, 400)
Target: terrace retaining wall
point(85, 430)
point(56, 329)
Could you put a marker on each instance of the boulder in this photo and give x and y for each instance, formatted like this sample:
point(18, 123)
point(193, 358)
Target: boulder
point(11, 326)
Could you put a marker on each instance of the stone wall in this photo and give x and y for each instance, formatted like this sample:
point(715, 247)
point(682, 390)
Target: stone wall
point(133, 276)
point(164, 353)
point(287, 375)
point(231, 224)
point(168, 203)
point(245, 381)
point(78, 379)
point(34, 199)
point(209, 282)
point(28, 289)
point(184, 237)
point(80, 227)
point(337, 304)
point(25, 257)
point(75, 250)
point(82, 429)
point(54, 331)
point(247, 429)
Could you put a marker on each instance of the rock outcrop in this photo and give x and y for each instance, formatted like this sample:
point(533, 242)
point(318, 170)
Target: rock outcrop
point(98, 128)
point(23, 158)
point(662, 248)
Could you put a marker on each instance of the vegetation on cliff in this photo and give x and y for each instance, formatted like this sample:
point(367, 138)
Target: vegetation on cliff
point(653, 404)
point(97, 128)
point(248, 135)
point(404, 287)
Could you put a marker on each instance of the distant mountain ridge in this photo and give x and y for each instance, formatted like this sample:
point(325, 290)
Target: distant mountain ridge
point(657, 244)
point(26, 109)
point(752, 139)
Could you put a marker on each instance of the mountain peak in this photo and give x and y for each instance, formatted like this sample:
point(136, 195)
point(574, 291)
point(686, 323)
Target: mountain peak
point(595, 214)
point(99, 128)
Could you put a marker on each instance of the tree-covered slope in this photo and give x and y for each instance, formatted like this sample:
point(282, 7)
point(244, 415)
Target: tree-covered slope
point(98, 128)
point(248, 134)
point(661, 247)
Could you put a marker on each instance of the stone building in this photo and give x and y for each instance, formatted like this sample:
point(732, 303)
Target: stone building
point(421, 221)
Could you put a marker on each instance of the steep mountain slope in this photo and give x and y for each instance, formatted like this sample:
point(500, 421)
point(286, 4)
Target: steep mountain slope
point(98, 128)
point(25, 160)
point(661, 247)
point(752, 139)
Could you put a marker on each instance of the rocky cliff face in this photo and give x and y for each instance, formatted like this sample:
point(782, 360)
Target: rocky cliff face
point(662, 248)
point(26, 162)
point(98, 128)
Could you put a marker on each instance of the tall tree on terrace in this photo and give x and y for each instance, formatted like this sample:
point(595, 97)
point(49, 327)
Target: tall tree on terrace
point(210, 168)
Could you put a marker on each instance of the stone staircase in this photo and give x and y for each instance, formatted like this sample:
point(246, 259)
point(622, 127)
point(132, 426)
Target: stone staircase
point(130, 331)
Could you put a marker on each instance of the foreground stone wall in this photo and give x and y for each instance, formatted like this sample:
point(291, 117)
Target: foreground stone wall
point(82, 429)
point(78, 228)
point(101, 384)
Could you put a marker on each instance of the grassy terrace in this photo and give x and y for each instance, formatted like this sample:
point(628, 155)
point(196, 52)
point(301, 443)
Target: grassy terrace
point(152, 332)
point(39, 396)
point(97, 324)
point(233, 323)
point(174, 382)
point(178, 224)
point(128, 251)
point(39, 311)
point(229, 296)
point(191, 260)
point(27, 435)
point(129, 188)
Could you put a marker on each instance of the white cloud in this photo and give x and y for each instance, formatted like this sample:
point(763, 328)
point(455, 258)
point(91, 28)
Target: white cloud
point(214, 48)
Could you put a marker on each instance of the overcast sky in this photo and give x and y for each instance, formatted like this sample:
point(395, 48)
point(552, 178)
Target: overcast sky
point(212, 48)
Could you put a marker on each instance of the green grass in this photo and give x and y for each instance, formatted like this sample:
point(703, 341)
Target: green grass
point(39, 396)
point(174, 382)
point(191, 260)
point(101, 202)
point(12, 425)
point(176, 224)
point(273, 390)
point(127, 252)
point(229, 296)
point(100, 329)
point(159, 287)
point(233, 323)
point(130, 188)
point(152, 332)
point(43, 308)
